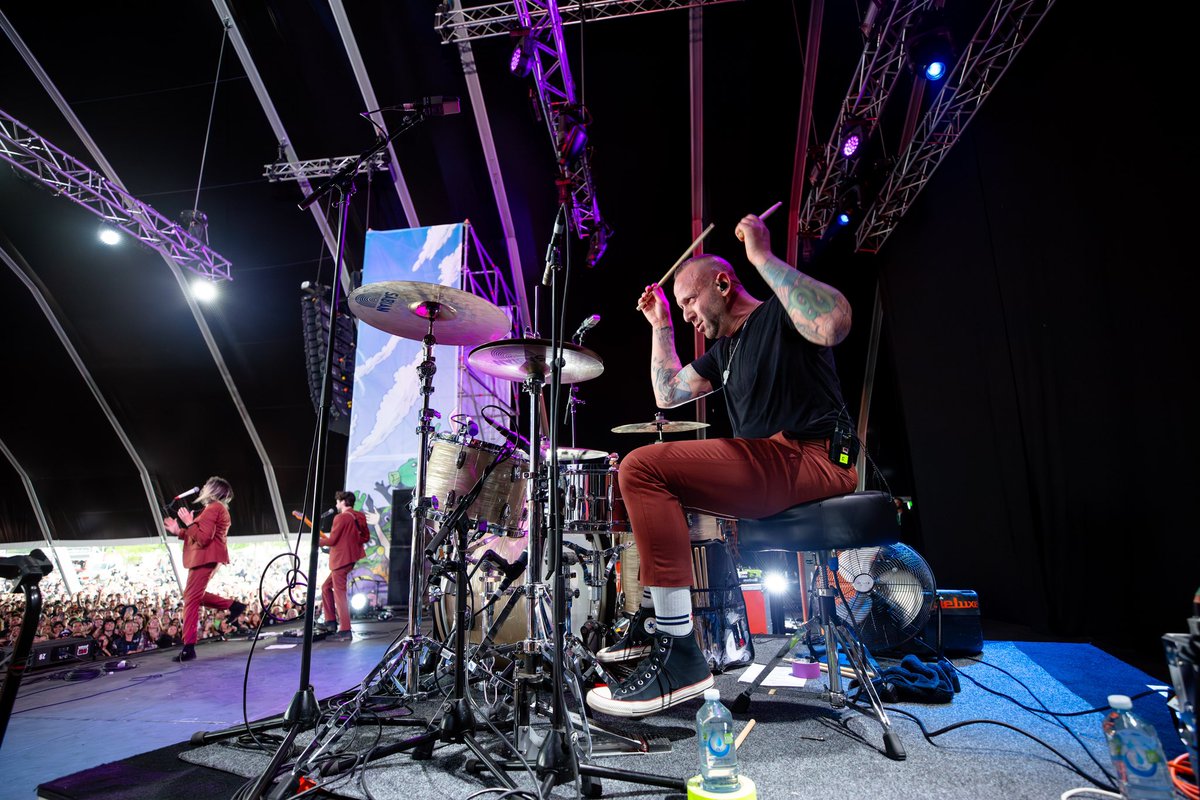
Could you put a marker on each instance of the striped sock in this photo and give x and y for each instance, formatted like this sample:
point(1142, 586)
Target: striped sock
point(647, 599)
point(672, 609)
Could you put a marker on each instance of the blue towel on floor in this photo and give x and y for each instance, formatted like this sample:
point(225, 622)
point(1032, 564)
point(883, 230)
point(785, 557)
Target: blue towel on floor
point(917, 681)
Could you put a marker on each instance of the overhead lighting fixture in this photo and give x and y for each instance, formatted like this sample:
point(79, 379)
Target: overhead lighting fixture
point(109, 234)
point(930, 46)
point(853, 137)
point(521, 63)
point(573, 123)
point(204, 291)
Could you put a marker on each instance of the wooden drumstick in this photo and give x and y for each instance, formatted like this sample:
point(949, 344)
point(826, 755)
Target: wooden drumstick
point(763, 216)
point(704, 575)
point(683, 257)
point(741, 737)
point(686, 253)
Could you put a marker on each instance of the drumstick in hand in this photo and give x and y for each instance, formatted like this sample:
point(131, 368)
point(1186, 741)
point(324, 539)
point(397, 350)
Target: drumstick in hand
point(683, 257)
point(770, 210)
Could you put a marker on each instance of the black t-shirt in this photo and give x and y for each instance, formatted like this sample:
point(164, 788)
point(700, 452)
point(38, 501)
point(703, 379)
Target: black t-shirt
point(778, 380)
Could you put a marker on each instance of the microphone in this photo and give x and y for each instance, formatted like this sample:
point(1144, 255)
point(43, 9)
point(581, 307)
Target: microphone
point(587, 325)
point(552, 248)
point(436, 106)
point(328, 514)
point(510, 576)
point(188, 493)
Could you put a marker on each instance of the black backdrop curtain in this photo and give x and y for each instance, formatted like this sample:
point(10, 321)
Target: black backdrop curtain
point(1038, 301)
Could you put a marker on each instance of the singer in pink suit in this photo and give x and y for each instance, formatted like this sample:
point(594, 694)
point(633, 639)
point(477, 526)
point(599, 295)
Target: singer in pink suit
point(204, 549)
point(345, 542)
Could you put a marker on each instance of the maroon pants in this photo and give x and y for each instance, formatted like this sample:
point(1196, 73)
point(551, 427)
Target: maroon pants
point(194, 596)
point(333, 596)
point(736, 478)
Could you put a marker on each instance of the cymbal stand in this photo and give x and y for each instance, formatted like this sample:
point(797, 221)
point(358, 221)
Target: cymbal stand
point(558, 761)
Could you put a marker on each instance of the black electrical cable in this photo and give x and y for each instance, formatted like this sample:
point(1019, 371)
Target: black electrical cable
point(931, 735)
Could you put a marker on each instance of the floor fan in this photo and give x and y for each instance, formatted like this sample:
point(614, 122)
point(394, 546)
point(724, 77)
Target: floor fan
point(886, 593)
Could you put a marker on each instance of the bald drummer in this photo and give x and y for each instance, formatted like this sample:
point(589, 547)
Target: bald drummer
point(774, 361)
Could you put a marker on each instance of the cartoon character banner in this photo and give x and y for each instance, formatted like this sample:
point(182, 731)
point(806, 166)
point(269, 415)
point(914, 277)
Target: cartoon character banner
point(384, 416)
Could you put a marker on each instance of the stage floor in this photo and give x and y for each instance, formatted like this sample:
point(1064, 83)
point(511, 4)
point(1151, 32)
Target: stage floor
point(799, 745)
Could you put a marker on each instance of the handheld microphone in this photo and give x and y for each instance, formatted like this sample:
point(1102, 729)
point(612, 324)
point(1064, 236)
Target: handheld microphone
point(188, 493)
point(329, 513)
point(587, 325)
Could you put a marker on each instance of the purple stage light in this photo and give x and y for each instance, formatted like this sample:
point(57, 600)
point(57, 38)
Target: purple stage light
point(850, 146)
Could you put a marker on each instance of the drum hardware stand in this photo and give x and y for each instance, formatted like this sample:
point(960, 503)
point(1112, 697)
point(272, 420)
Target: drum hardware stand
point(558, 761)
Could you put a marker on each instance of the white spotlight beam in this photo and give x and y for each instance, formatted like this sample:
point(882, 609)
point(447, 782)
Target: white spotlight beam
point(69, 177)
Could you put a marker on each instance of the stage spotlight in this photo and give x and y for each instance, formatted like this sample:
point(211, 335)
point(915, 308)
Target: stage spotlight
point(844, 218)
point(775, 583)
point(110, 235)
point(358, 602)
point(930, 46)
point(853, 136)
point(521, 63)
point(573, 123)
point(204, 291)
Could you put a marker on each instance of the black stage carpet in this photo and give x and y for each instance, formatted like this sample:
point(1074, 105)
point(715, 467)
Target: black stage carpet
point(799, 747)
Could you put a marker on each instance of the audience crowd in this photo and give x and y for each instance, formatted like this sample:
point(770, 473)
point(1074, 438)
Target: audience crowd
point(126, 616)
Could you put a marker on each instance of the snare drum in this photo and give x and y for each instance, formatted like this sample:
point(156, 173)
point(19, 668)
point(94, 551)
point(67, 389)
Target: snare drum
point(456, 464)
point(701, 527)
point(587, 492)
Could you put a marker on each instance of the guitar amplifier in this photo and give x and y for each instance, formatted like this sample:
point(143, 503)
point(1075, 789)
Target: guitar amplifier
point(955, 626)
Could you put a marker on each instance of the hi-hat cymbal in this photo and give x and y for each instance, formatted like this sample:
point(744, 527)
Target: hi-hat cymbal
point(661, 426)
point(404, 308)
point(518, 359)
point(578, 454)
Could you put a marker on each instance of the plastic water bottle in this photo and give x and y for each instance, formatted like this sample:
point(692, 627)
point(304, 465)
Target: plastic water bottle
point(1136, 752)
point(714, 734)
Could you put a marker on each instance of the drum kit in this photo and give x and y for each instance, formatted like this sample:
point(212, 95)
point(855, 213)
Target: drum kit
point(487, 514)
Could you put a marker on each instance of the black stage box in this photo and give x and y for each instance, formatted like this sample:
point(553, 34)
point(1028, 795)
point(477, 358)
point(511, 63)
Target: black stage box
point(57, 652)
point(957, 614)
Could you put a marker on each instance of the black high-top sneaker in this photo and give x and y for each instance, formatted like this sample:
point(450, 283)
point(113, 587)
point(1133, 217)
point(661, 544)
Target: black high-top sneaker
point(188, 653)
point(634, 643)
point(675, 671)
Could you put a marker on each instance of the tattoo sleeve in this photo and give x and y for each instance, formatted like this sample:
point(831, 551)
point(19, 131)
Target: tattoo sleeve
point(818, 311)
point(665, 368)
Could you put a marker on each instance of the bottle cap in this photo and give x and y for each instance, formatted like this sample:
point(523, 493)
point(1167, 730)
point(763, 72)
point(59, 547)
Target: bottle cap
point(712, 694)
point(1120, 702)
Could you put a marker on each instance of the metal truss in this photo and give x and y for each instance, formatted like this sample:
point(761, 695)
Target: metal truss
point(483, 278)
point(502, 19)
point(879, 67)
point(556, 94)
point(321, 167)
point(1001, 35)
point(71, 178)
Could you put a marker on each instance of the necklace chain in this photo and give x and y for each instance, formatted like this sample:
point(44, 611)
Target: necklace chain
point(733, 350)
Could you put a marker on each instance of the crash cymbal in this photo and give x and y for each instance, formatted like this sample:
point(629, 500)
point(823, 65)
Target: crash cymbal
point(404, 308)
point(661, 426)
point(578, 454)
point(518, 359)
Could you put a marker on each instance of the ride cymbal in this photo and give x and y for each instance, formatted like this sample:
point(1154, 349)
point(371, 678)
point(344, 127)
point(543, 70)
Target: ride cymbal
point(404, 309)
point(518, 359)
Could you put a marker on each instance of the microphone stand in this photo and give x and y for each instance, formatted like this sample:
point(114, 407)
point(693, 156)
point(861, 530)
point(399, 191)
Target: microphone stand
point(303, 712)
point(558, 761)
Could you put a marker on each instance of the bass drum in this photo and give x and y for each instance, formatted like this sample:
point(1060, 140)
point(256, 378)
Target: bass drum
point(584, 601)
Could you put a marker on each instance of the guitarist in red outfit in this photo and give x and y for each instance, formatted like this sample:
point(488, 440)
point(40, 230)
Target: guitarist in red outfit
point(345, 542)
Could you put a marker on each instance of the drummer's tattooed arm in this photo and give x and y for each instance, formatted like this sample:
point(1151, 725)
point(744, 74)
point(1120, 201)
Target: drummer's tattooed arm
point(820, 312)
point(673, 383)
